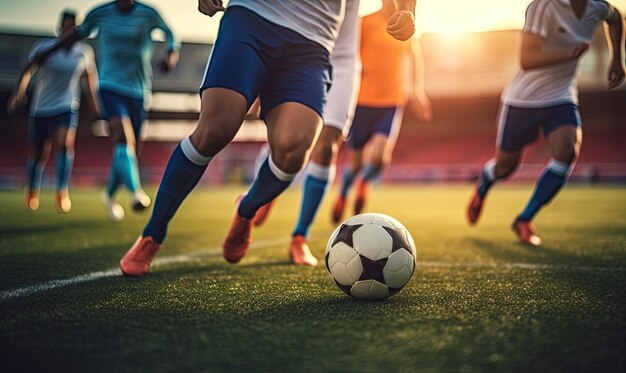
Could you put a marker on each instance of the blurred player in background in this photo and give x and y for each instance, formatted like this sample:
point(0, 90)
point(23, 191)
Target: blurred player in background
point(386, 89)
point(338, 112)
point(54, 110)
point(125, 47)
point(278, 50)
point(544, 95)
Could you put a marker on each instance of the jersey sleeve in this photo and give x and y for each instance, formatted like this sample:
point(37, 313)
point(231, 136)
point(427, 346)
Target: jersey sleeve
point(90, 59)
point(536, 18)
point(89, 23)
point(606, 11)
point(36, 49)
point(171, 44)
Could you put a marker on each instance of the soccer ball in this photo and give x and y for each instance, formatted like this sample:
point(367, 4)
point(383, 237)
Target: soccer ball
point(370, 256)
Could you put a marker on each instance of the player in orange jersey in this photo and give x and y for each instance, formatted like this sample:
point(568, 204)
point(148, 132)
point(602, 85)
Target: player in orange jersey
point(388, 85)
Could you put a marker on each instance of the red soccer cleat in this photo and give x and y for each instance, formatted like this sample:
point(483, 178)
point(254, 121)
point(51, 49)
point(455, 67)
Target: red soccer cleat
point(137, 260)
point(238, 238)
point(361, 197)
point(525, 231)
point(475, 207)
point(300, 253)
point(338, 207)
point(63, 202)
point(32, 200)
point(263, 213)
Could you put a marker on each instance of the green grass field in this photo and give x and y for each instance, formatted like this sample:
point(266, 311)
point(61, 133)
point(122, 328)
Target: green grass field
point(478, 301)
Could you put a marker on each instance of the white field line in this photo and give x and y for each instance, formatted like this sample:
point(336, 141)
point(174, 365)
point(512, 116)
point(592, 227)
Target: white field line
point(197, 255)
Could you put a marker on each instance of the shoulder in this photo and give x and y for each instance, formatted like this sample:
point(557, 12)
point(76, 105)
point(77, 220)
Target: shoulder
point(146, 9)
point(101, 9)
point(43, 44)
point(537, 9)
point(600, 6)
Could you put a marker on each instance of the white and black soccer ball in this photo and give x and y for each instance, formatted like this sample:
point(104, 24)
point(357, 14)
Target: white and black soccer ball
point(370, 256)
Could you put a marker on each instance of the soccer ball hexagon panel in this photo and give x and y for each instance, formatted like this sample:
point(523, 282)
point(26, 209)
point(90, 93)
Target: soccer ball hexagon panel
point(370, 256)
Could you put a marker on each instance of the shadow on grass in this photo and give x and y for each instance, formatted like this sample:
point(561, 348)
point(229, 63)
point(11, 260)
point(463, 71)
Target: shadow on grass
point(517, 252)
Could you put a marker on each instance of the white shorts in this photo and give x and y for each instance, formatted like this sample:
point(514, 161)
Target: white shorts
point(342, 96)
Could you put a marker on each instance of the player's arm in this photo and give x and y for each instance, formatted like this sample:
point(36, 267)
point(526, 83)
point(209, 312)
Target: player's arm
point(91, 72)
point(401, 25)
point(615, 39)
point(171, 46)
point(533, 55)
point(210, 7)
point(18, 98)
point(419, 102)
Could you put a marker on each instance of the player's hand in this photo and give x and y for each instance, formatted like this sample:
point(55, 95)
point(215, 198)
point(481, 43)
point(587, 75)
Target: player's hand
point(616, 74)
point(420, 107)
point(401, 25)
point(16, 100)
point(579, 50)
point(210, 7)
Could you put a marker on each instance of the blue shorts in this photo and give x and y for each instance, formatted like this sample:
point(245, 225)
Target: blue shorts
point(518, 127)
point(42, 128)
point(115, 105)
point(255, 57)
point(369, 121)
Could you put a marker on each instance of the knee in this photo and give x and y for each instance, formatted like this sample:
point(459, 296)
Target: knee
point(505, 168)
point(214, 132)
point(290, 161)
point(567, 153)
point(324, 151)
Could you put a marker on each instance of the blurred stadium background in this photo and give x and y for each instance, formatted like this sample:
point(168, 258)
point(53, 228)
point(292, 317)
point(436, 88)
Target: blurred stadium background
point(465, 73)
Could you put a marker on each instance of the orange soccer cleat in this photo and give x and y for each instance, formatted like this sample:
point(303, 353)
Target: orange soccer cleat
point(361, 197)
point(32, 200)
point(263, 213)
point(525, 231)
point(299, 252)
point(475, 207)
point(239, 236)
point(338, 208)
point(63, 202)
point(137, 260)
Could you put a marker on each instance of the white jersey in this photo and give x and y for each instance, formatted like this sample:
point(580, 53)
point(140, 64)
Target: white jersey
point(341, 99)
point(556, 22)
point(316, 20)
point(57, 84)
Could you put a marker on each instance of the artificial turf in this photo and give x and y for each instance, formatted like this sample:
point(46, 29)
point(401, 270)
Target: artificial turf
point(478, 301)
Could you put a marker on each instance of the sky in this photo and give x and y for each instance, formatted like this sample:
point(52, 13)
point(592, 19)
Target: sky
point(435, 16)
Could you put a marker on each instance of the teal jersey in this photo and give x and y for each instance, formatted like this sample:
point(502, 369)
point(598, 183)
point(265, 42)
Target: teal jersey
point(125, 46)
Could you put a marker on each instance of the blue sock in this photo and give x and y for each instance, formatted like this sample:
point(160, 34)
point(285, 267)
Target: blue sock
point(269, 183)
point(487, 177)
point(371, 172)
point(34, 174)
point(113, 181)
point(64, 160)
point(183, 172)
point(126, 166)
point(550, 182)
point(346, 182)
point(315, 185)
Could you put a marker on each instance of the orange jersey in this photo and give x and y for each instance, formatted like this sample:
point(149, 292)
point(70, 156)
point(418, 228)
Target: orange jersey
point(383, 59)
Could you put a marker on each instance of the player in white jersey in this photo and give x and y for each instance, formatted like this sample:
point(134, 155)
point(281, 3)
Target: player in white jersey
point(544, 95)
point(54, 111)
point(279, 51)
point(338, 112)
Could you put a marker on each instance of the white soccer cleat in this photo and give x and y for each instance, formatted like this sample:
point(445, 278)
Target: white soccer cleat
point(140, 201)
point(115, 212)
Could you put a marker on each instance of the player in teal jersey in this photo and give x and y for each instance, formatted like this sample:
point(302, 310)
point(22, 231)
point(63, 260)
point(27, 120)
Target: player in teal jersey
point(124, 49)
